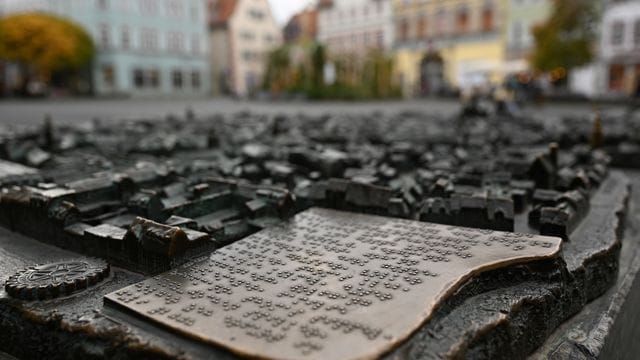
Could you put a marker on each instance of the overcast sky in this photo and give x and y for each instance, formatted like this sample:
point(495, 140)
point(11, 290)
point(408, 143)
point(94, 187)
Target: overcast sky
point(283, 9)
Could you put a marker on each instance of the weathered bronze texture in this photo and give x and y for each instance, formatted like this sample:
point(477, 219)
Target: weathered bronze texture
point(326, 285)
point(56, 279)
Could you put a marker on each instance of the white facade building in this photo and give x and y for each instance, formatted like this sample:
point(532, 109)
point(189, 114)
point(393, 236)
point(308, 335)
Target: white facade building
point(620, 49)
point(243, 33)
point(522, 17)
point(355, 26)
point(143, 47)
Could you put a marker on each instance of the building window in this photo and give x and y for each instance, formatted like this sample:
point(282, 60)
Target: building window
point(617, 33)
point(422, 27)
point(104, 36)
point(247, 35)
point(403, 29)
point(441, 22)
point(154, 78)
point(380, 39)
point(175, 42)
point(256, 14)
point(124, 6)
point(517, 34)
point(149, 7)
point(138, 78)
point(126, 38)
point(636, 33)
point(195, 80)
point(462, 20)
point(616, 77)
point(195, 43)
point(146, 78)
point(103, 4)
point(487, 18)
point(194, 13)
point(174, 8)
point(247, 55)
point(177, 80)
point(149, 39)
point(108, 75)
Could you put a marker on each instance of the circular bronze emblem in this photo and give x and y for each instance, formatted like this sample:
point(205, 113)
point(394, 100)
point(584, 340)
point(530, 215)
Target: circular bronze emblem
point(57, 279)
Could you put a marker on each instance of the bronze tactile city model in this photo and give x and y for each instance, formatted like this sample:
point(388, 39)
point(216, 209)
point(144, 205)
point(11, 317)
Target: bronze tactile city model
point(297, 237)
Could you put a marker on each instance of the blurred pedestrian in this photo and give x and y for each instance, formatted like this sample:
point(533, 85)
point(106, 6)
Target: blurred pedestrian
point(505, 103)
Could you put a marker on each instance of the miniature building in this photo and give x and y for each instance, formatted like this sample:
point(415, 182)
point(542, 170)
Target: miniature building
point(105, 217)
point(561, 219)
point(478, 210)
point(221, 204)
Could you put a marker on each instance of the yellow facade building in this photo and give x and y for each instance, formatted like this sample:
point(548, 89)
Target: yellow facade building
point(443, 45)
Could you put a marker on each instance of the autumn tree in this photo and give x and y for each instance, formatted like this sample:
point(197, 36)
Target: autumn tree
point(44, 43)
point(318, 61)
point(278, 74)
point(566, 39)
point(380, 69)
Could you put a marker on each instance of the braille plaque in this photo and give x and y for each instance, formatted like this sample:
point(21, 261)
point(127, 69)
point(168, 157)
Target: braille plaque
point(325, 285)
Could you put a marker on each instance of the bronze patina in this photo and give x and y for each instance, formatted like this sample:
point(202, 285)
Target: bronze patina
point(325, 285)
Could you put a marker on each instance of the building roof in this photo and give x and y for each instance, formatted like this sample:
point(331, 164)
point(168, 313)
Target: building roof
point(323, 4)
point(302, 26)
point(220, 11)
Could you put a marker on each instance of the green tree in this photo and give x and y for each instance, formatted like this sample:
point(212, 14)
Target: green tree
point(277, 74)
point(319, 59)
point(566, 39)
point(44, 43)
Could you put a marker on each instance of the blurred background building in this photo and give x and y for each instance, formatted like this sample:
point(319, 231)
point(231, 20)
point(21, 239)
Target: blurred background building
point(521, 17)
point(302, 27)
point(143, 48)
point(345, 48)
point(464, 35)
point(355, 26)
point(243, 32)
point(619, 60)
